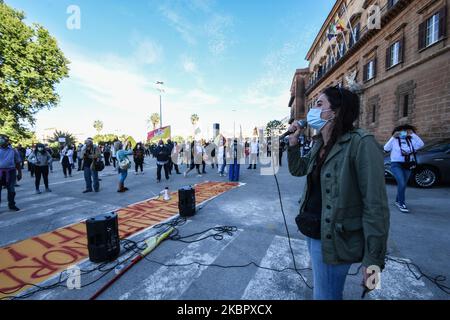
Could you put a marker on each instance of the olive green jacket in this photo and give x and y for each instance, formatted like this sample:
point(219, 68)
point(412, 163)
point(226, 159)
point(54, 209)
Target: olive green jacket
point(355, 214)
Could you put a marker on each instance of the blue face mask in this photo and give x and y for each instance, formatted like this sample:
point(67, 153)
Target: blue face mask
point(403, 134)
point(314, 119)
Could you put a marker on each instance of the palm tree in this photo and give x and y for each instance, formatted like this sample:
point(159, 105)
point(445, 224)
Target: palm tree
point(70, 138)
point(194, 119)
point(98, 125)
point(154, 120)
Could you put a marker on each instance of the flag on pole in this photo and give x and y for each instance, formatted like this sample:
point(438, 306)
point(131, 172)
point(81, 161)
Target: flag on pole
point(158, 134)
point(349, 24)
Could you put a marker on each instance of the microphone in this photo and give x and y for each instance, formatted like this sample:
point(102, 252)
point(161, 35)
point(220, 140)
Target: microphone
point(302, 123)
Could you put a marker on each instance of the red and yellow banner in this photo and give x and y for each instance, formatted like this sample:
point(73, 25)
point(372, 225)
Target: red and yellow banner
point(158, 134)
point(35, 260)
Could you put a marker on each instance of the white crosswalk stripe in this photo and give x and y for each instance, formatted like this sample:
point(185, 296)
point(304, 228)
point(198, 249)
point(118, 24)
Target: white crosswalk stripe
point(47, 212)
point(287, 285)
point(169, 283)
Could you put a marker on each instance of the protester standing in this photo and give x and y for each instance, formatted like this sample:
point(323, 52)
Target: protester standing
point(29, 163)
point(123, 164)
point(66, 160)
point(10, 171)
point(254, 151)
point(162, 154)
point(138, 158)
point(175, 156)
point(90, 154)
point(343, 212)
point(107, 154)
point(42, 160)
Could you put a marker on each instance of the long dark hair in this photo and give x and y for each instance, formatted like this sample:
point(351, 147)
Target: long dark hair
point(346, 106)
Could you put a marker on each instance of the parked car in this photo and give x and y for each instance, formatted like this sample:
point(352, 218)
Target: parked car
point(433, 165)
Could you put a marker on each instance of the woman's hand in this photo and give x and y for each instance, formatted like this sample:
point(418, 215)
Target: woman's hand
point(293, 138)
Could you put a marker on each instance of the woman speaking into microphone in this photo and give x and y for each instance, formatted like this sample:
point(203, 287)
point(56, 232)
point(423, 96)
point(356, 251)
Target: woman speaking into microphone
point(343, 212)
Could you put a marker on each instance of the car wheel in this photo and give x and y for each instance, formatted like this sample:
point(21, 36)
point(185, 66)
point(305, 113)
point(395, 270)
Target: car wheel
point(425, 177)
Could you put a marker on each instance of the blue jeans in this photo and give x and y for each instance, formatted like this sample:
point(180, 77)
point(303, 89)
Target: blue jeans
point(401, 176)
point(10, 187)
point(122, 175)
point(233, 173)
point(222, 167)
point(329, 279)
point(90, 175)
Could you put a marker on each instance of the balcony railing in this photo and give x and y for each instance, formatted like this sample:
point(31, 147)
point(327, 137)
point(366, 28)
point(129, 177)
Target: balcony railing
point(385, 11)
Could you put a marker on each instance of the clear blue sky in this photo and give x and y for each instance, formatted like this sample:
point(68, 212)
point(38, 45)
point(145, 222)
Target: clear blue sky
point(213, 55)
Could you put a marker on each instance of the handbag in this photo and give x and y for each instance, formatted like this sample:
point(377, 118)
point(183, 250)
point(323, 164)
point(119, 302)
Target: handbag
point(125, 164)
point(99, 165)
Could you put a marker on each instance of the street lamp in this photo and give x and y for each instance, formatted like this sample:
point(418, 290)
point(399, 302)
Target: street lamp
point(234, 125)
point(161, 90)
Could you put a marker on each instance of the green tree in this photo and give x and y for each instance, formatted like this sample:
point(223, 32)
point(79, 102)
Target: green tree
point(275, 127)
point(98, 125)
point(31, 64)
point(178, 139)
point(154, 120)
point(70, 138)
point(105, 138)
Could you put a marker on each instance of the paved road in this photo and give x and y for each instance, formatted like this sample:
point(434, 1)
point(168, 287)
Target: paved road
point(254, 209)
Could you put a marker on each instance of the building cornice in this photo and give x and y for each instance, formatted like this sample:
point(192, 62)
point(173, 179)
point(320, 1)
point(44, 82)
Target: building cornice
point(387, 18)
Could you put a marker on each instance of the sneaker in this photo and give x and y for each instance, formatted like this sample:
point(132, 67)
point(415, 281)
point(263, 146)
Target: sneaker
point(185, 175)
point(398, 205)
point(48, 190)
point(136, 173)
point(199, 175)
point(14, 208)
point(86, 191)
point(403, 208)
point(38, 191)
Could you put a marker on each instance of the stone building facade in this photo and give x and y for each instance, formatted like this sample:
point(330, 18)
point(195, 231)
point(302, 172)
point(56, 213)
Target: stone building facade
point(400, 68)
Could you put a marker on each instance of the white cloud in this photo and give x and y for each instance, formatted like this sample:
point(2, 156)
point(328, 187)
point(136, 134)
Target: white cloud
point(217, 29)
point(189, 65)
point(181, 25)
point(199, 97)
point(148, 52)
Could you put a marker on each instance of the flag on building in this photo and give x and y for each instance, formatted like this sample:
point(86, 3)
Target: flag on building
point(340, 25)
point(158, 134)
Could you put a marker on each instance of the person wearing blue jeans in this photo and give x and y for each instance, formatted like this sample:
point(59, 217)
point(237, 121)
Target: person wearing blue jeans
point(401, 176)
point(233, 173)
point(91, 179)
point(329, 279)
point(10, 170)
point(90, 153)
point(123, 167)
point(402, 145)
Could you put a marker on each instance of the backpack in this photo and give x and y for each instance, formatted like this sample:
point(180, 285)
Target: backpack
point(99, 165)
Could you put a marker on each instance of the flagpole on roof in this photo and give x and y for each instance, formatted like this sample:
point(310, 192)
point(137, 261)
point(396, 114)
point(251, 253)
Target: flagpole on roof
point(349, 24)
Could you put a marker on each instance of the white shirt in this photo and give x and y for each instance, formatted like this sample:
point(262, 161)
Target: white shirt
point(254, 147)
point(393, 147)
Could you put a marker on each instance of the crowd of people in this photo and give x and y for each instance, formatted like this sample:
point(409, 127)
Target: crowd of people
point(223, 155)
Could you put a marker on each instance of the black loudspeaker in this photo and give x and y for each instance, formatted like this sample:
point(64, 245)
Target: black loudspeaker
point(103, 237)
point(186, 201)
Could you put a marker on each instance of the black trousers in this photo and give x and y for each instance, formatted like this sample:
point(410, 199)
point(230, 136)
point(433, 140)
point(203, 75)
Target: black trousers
point(114, 159)
point(79, 164)
point(137, 165)
point(10, 188)
point(107, 157)
point(41, 171)
point(166, 171)
point(67, 167)
point(31, 168)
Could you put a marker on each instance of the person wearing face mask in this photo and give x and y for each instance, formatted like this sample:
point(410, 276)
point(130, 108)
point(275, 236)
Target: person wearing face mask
point(90, 153)
point(138, 157)
point(66, 159)
point(343, 212)
point(41, 160)
point(10, 170)
point(403, 146)
point(162, 154)
point(124, 163)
